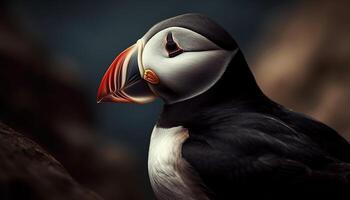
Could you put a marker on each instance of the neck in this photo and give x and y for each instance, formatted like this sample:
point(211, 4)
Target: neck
point(237, 86)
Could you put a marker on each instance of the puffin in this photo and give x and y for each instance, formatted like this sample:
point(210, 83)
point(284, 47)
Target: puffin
point(218, 135)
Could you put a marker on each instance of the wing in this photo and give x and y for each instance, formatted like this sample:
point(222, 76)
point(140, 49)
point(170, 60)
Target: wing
point(259, 156)
point(327, 138)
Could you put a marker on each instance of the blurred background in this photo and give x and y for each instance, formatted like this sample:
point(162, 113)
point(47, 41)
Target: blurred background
point(53, 55)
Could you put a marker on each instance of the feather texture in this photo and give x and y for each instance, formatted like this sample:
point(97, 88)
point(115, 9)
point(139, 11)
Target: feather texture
point(242, 144)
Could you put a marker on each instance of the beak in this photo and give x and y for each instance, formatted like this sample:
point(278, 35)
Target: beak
point(123, 82)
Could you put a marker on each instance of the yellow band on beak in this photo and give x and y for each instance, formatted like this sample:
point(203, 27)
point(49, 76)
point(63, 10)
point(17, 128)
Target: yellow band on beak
point(150, 76)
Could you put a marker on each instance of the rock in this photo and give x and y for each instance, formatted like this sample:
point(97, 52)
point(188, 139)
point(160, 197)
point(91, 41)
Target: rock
point(29, 172)
point(45, 101)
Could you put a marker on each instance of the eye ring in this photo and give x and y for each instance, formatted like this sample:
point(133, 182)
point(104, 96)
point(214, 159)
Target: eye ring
point(172, 47)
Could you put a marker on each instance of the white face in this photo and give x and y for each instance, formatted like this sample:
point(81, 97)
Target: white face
point(197, 66)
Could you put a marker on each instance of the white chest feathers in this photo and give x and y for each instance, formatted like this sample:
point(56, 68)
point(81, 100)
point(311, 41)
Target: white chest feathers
point(172, 178)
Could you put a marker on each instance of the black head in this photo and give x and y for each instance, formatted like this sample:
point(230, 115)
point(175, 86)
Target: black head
point(188, 58)
point(200, 24)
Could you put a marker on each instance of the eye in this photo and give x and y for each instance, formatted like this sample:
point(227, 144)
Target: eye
point(172, 48)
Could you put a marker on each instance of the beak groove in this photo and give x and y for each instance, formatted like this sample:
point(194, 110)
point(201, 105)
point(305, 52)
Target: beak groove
point(122, 81)
point(111, 81)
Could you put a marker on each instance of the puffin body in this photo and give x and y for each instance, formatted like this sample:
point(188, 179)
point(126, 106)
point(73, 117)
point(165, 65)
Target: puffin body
point(219, 136)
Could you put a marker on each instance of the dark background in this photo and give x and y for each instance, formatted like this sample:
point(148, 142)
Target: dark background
point(77, 41)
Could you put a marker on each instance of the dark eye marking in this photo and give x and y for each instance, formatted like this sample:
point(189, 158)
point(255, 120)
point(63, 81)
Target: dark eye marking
point(172, 48)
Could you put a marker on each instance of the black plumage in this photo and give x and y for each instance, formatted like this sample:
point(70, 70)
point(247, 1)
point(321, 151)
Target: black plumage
point(238, 142)
point(197, 23)
point(242, 144)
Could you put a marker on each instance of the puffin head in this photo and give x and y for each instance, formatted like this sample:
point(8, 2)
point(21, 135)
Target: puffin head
point(177, 59)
